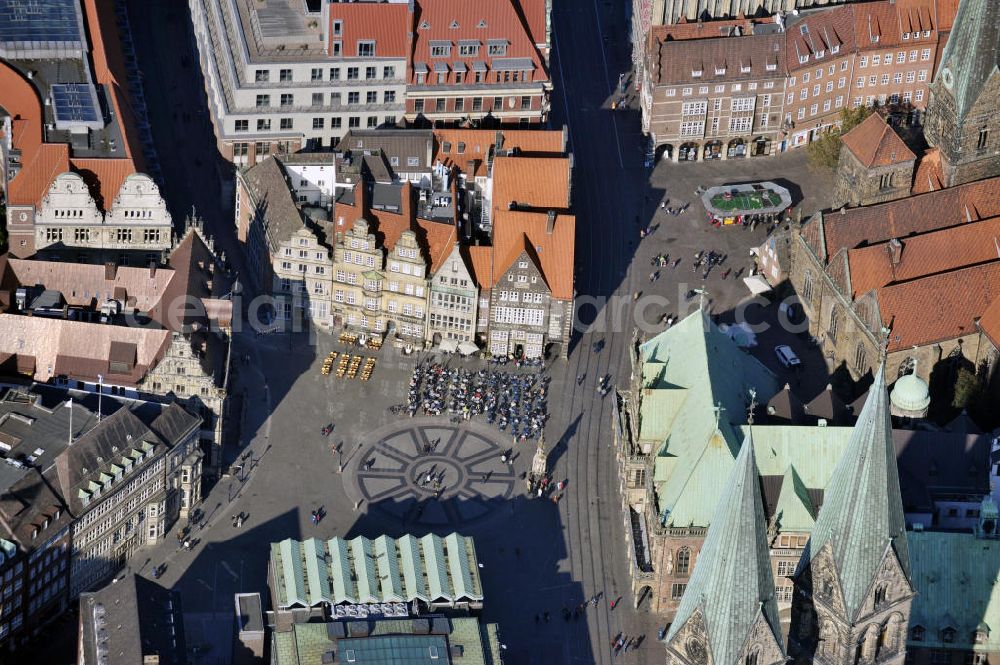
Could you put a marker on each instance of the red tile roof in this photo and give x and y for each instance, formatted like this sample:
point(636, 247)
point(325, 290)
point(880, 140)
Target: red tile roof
point(19, 99)
point(41, 162)
point(928, 176)
point(533, 12)
point(959, 297)
point(684, 29)
point(536, 182)
point(435, 238)
point(32, 183)
point(461, 20)
point(481, 265)
point(874, 143)
point(385, 23)
point(479, 143)
point(924, 254)
point(946, 10)
point(109, 69)
point(104, 177)
point(939, 209)
point(555, 251)
point(673, 62)
point(990, 323)
point(825, 31)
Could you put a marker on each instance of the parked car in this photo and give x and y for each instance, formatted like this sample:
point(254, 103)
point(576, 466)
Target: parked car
point(787, 357)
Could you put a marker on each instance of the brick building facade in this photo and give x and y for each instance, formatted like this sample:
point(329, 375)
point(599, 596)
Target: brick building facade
point(803, 68)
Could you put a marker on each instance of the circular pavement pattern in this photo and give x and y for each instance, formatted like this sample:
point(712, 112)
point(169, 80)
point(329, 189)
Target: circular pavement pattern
point(461, 480)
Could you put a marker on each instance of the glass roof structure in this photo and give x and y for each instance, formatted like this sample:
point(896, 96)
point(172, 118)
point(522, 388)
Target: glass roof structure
point(41, 29)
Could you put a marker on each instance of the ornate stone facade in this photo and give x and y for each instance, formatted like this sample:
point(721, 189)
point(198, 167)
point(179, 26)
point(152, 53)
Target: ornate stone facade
point(135, 230)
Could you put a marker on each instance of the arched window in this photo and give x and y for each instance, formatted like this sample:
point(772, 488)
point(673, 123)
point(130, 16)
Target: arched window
point(834, 323)
point(752, 657)
point(860, 359)
point(683, 561)
point(807, 287)
point(880, 595)
point(907, 366)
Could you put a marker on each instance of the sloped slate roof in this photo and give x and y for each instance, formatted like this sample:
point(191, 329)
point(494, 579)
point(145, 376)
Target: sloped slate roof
point(706, 369)
point(955, 574)
point(973, 51)
point(732, 581)
point(794, 510)
point(862, 511)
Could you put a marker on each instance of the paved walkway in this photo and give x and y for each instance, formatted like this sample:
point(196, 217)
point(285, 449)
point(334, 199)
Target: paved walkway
point(461, 480)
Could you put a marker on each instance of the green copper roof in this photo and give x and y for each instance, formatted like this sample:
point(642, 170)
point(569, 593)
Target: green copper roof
point(732, 582)
point(696, 383)
point(862, 512)
point(385, 570)
point(955, 575)
point(972, 53)
point(794, 510)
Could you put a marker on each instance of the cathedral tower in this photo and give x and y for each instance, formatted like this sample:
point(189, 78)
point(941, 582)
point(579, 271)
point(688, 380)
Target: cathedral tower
point(728, 615)
point(853, 591)
point(963, 112)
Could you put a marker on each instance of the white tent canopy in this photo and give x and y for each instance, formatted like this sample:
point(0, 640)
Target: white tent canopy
point(448, 345)
point(757, 284)
point(467, 348)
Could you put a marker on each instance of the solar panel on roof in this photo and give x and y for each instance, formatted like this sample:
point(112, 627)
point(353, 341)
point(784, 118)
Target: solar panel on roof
point(39, 21)
point(73, 102)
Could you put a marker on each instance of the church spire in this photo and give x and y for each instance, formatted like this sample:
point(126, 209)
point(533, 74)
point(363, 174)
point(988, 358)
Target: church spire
point(862, 520)
point(972, 53)
point(731, 591)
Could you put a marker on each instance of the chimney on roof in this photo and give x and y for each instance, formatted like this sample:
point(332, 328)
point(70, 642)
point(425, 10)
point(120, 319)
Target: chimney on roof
point(498, 141)
point(110, 270)
point(895, 251)
point(550, 222)
point(361, 197)
point(968, 215)
point(406, 202)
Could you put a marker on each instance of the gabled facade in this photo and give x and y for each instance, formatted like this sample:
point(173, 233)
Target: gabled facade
point(135, 228)
point(453, 300)
point(520, 304)
point(963, 118)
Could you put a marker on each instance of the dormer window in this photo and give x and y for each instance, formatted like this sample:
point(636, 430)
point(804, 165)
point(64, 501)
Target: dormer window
point(875, 39)
point(906, 35)
point(948, 635)
point(982, 634)
point(803, 59)
point(744, 69)
point(696, 73)
point(917, 633)
point(835, 49)
point(820, 54)
point(720, 71)
point(927, 33)
point(771, 66)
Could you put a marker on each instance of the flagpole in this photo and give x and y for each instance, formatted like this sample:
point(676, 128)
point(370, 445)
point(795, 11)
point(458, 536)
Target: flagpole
point(69, 404)
point(100, 393)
